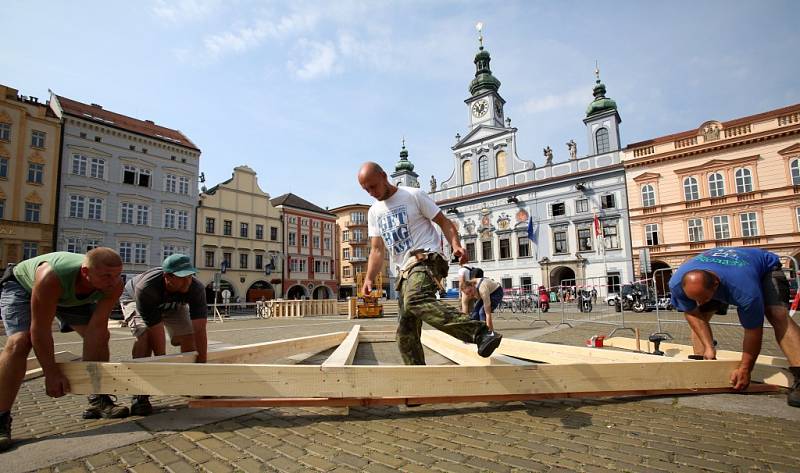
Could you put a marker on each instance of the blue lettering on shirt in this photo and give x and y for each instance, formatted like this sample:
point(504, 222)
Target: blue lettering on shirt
point(393, 226)
point(740, 271)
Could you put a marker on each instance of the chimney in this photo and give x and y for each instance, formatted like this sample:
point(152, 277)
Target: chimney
point(150, 122)
point(97, 106)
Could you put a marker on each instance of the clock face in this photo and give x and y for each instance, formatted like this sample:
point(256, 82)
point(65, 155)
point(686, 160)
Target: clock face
point(480, 108)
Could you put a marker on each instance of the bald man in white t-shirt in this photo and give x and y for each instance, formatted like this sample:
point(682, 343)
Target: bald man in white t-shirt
point(401, 222)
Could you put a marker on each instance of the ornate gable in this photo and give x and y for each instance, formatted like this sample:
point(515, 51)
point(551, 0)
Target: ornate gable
point(648, 176)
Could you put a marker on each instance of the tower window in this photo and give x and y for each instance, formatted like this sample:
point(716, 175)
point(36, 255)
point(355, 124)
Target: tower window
point(601, 140)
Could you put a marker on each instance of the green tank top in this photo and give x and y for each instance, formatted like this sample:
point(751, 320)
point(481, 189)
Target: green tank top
point(66, 266)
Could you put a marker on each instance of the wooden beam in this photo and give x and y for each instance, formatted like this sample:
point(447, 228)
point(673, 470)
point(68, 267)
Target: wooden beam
point(389, 381)
point(373, 336)
point(768, 369)
point(463, 353)
point(346, 351)
point(564, 354)
point(258, 352)
point(392, 401)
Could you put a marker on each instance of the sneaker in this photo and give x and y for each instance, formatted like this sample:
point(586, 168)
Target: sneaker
point(793, 398)
point(141, 406)
point(102, 406)
point(5, 432)
point(488, 342)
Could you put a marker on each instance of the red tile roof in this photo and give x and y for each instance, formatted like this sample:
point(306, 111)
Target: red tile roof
point(97, 114)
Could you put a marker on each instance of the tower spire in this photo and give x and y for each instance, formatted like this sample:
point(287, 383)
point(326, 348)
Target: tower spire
point(484, 80)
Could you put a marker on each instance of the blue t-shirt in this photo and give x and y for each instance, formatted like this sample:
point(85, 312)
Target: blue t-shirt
point(740, 271)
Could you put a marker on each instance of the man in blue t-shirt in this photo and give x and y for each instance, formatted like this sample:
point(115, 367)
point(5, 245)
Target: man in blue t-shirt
point(752, 280)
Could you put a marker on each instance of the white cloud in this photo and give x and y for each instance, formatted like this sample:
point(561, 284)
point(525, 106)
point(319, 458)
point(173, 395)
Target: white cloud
point(312, 59)
point(556, 101)
point(178, 11)
point(249, 37)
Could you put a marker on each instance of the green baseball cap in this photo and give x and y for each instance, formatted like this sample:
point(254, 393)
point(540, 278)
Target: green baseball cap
point(179, 265)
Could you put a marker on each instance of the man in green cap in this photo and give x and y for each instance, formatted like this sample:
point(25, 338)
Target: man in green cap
point(81, 291)
point(168, 296)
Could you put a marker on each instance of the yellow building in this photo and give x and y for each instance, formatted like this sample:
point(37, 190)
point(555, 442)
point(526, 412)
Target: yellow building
point(237, 225)
point(30, 139)
point(353, 243)
point(733, 183)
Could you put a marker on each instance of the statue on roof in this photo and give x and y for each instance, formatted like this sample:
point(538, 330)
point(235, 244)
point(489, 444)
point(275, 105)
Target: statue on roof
point(433, 184)
point(573, 149)
point(548, 154)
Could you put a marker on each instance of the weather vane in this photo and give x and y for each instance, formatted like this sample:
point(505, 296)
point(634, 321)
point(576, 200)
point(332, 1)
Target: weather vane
point(597, 70)
point(404, 141)
point(479, 27)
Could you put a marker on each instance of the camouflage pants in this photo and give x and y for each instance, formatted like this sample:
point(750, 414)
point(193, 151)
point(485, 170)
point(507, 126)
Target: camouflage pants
point(417, 303)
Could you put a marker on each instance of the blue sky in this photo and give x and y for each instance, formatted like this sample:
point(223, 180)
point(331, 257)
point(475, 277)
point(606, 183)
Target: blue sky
point(303, 92)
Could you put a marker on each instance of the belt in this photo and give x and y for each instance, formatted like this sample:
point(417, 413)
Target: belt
point(418, 264)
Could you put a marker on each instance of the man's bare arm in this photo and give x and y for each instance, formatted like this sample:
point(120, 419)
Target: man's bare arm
point(374, 263)
point(451, 235)
point(44, 301)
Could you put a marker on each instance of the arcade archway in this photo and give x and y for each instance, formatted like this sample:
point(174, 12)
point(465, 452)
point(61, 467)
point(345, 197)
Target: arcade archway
point(561, 274)
point(296, 292)
point(321, 292)
point(260, 289)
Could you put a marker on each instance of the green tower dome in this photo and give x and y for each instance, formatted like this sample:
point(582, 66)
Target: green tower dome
point(484, 80)
point(601, 103)
point(404, 164)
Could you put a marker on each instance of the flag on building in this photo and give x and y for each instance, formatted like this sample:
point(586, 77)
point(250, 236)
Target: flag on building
point(533, 234)
point(598, 235)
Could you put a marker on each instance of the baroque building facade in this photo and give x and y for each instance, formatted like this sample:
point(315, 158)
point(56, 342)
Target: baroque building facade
point(126, 183)
point(239, 240)
point(527, 226)
point(308, 249)
point(725, 183)
point(353, 247)
point(30, 140)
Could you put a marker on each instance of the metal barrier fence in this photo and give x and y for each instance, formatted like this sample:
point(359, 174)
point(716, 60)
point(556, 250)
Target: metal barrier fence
point(591, 300)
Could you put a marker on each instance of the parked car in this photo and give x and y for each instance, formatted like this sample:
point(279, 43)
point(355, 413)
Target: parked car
point(452, 293)
point(611, 298)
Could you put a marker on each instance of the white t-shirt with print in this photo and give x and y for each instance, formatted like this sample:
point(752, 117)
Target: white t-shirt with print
point(404, 222)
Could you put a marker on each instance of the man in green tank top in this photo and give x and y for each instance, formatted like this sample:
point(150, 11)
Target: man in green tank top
point(81, 291)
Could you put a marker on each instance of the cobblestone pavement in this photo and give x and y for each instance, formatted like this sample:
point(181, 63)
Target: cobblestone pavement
point(700, 433)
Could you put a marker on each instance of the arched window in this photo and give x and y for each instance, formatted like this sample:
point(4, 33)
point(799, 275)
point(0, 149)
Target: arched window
point(744, 181)
point(690, 189)
point(716, 185)
point(466, 171)
point(500, 161)
point(601, 140)
point(648, 195)
point(483, 168)
point(795, 167)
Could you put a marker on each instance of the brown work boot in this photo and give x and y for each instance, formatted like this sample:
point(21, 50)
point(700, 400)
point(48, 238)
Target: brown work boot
point(141, 406)
point(487, 342)
point(793, 398)
point(102, 406)
point(5, 431)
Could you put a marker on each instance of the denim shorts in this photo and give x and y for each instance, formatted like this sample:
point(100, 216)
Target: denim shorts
point(15, 305)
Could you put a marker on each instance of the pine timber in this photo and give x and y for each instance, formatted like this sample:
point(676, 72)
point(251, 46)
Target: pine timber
point(392, 401)
point(346, 351)
point(768, 369)
point(463, 353)
point(258, 352)
point(563, 354)
point(389, 381)
point(372, 336)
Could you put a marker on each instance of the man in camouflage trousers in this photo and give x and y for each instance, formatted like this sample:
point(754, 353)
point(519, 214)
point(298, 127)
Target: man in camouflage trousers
point(402, 220)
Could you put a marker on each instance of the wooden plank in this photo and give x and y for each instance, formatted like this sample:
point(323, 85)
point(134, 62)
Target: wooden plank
point(373, 336)
point(463, 353)
point(768, 369)
point(303, 347)
point(388, 381)
point(34, 370)
point(391, 401)
point(346, 351)
point(564, 354)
